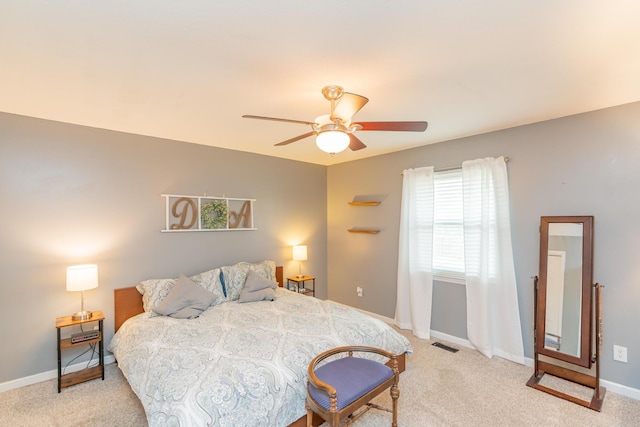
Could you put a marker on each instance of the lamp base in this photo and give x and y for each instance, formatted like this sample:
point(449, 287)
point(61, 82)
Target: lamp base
point(81, 315)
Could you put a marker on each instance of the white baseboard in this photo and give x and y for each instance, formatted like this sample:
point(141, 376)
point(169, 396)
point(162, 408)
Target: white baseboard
point(623, 390)
point(633, 393)
point(450, 338)
point(45, 376)
point(434, 334)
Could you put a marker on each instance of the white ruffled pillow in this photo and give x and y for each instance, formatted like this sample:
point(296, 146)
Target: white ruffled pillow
point(154, 291)
point(210, 280)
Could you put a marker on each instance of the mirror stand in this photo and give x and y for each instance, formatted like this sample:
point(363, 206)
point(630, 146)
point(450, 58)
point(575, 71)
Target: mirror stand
point(589, 380)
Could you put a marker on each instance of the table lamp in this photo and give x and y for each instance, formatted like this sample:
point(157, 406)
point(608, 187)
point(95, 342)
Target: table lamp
point(300, 254)
point(82, 278)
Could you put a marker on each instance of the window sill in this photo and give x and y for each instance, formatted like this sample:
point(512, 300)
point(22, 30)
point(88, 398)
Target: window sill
point(457, 279)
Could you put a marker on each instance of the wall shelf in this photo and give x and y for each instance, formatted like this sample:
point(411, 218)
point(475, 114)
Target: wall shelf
point(364, 203)
point(363, 230)
point(372, 203)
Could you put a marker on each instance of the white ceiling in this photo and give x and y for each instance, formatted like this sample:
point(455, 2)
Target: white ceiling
point(188, 70)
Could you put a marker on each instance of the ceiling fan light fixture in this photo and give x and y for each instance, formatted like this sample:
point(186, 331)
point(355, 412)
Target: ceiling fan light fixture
point(332, 141)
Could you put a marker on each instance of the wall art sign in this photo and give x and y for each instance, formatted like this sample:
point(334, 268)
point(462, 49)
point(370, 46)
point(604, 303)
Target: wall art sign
point(207, 213)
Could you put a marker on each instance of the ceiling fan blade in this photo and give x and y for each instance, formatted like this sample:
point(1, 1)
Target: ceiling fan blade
point(275, 119)
point(347, 106)
point(394, 126)
point(355, 143)
point(296, 138)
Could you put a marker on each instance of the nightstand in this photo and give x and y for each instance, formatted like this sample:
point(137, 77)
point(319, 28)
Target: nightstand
point(296, 283)
point(85, 374)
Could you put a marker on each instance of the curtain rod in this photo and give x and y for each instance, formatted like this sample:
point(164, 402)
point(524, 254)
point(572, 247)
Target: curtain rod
point(450, 168)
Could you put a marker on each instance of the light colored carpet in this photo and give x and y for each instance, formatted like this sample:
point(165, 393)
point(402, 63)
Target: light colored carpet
point(439, 388)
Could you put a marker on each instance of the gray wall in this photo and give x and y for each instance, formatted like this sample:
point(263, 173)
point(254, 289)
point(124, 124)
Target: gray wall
point(587, 164)
point(73, 194)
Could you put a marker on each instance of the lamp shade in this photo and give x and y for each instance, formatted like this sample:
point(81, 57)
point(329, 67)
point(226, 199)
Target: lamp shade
point(82, 277)
point(300, 253)
point(332, 141)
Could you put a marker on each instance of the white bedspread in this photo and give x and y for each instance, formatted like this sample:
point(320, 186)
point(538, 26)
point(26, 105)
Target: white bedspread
point(238, 364)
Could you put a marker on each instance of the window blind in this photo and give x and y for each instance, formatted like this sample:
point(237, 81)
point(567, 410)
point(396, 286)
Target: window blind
point(448, 229)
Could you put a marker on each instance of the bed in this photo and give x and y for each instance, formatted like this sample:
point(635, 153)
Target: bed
point(236, 364)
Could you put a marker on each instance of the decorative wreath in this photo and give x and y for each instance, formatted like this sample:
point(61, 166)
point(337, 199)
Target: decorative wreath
point(214, 214)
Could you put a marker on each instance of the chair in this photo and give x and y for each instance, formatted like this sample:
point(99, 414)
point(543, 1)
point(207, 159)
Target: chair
point(342, 386)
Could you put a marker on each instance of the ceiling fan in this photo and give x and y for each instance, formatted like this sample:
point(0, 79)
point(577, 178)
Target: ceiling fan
point(336, 131)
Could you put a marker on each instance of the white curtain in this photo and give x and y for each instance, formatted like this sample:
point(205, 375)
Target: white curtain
point(493, 316)
point(415, 277)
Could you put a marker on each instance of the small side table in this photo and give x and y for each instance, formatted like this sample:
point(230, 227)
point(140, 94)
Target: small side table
point(64, 343)
point(297, 283)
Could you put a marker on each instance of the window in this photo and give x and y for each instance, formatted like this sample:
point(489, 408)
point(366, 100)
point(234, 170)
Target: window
point(448, 229)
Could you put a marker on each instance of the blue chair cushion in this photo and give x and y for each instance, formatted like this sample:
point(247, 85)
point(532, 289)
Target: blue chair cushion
point(352, 377)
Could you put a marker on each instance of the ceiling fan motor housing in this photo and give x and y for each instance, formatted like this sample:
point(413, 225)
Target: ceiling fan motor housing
point(324, 123)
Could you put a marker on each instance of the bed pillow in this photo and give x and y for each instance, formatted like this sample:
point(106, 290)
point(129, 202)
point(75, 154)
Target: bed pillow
point(266, 269)
point(266, 294)
point(257, 288)
point(210, 280)
point(256, 282)
point(186, 300)
point(154, 291)
point(235, 275)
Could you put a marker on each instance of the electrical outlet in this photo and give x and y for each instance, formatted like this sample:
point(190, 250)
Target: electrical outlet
point(620, 353)
point(359, 291)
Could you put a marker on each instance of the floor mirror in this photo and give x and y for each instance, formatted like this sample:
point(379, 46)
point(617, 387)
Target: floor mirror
point(568, 312)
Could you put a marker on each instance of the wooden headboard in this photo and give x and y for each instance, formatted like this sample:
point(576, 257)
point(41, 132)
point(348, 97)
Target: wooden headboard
point(128, 301)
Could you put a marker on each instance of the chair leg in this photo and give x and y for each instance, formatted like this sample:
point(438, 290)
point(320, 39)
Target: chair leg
point(309, 417)
point(395, 394)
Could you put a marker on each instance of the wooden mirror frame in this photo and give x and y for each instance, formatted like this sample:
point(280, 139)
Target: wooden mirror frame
point(582, 372)
point(586, 308)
